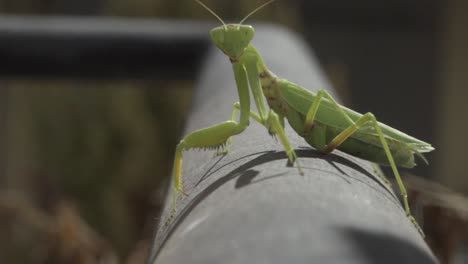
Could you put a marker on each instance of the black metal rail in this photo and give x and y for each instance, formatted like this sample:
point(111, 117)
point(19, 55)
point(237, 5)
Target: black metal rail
point(102, 48)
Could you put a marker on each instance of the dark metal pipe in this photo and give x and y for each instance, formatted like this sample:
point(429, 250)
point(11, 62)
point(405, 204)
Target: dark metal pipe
point(250, 207)
point(100, 48)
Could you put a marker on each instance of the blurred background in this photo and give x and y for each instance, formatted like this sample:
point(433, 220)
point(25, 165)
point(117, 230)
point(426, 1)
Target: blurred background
point(85, 159)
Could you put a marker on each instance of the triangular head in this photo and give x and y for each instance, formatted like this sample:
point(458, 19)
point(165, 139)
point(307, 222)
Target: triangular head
point(232, 39)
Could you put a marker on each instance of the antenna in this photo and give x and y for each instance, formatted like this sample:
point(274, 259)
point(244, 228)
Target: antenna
point(211, 11)
point(255, 10)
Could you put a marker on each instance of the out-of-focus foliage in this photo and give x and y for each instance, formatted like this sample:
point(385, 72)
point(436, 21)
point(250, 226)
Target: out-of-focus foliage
point(103, 148)
point(445, 215)
point(60, 236)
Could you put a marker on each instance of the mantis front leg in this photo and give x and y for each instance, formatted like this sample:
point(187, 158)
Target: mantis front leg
point(214, 136)
point(272, 121)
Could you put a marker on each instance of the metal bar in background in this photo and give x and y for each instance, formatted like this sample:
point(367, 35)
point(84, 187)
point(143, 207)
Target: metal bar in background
point(100, 48)
point(250, 207)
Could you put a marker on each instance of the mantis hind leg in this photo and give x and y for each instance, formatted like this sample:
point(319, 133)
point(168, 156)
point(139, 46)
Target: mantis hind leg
point(345, 134)
point(379, 173)
point(321, 94)
point(275, 125)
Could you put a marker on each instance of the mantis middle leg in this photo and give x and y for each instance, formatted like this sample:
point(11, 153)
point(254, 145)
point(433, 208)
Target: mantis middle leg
point(268, 123)
point(270, 119)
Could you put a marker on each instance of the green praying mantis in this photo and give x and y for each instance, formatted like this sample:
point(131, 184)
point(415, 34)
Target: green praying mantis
point(318, 118)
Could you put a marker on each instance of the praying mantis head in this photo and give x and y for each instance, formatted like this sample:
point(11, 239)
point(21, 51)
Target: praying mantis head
point(233, 39)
